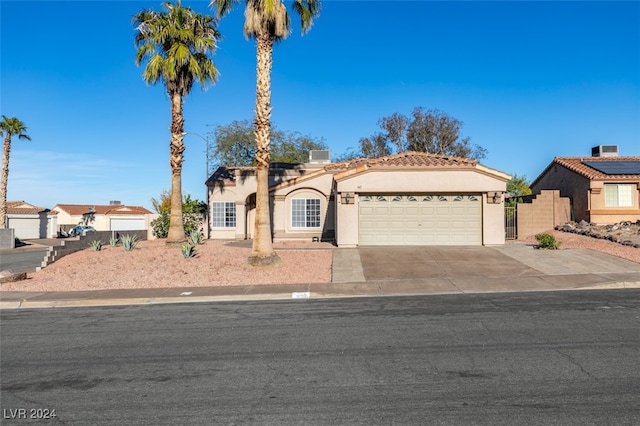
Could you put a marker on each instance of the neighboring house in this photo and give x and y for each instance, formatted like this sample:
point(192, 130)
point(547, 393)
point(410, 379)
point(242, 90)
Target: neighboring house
point(29, 221)
point(603, 188)
point(112, 217)
point(405, 199)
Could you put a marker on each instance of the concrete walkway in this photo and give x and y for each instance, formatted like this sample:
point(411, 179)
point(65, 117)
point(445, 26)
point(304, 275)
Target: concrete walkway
point(385, 271)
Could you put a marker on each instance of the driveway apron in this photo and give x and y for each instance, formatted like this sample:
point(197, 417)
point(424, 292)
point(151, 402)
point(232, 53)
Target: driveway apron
point(403, 263)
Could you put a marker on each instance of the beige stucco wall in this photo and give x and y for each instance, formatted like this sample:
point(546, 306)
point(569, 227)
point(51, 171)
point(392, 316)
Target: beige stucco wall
point(602, 215)
point(343, 218)
point(466, 181)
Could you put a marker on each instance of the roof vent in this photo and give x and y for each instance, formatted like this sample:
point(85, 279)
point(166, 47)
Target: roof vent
point(115, 203)
point(604, 151)
point(319, 156)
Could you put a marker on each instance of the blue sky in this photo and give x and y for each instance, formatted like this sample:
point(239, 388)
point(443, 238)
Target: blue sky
point(530, 80)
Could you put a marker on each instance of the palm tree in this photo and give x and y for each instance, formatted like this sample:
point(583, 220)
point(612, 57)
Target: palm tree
point(9, 127)
point(266, 21)
point(176, 45)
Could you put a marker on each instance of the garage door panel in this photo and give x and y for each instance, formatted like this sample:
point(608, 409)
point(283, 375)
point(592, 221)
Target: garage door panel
point(421, 220)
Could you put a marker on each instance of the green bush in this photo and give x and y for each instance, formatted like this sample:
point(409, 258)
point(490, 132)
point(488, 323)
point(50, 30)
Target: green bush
point(113, 241)
point(96, 245)
point(188, 251)
point(196, 237)
point(193, 212)
point(548, 242)
point(129, 242)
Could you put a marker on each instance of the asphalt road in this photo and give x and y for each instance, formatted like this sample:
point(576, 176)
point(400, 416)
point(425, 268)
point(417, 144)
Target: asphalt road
point(22, 261)
point(565, 358)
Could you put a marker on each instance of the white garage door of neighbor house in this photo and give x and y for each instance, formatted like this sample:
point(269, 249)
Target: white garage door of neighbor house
point(127, 225)
point(25, 228)
point(424, 219)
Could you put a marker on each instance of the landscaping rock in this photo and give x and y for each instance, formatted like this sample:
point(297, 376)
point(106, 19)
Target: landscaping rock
point(9, 277)
point(625, 233)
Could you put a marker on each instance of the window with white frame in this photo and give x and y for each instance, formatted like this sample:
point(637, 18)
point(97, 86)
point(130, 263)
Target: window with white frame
point(223, 214)
point(305, 213)
point(618, 195)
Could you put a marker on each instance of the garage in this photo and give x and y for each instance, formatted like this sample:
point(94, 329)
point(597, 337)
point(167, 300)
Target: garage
point(420, 219)
point(28, 227)
point(128, 224)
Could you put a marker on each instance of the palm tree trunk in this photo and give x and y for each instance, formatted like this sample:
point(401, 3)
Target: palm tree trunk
point(6, 148)
point(176, 147)
point(262, 253)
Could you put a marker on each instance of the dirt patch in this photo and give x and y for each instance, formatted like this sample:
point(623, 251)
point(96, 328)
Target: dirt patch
point(153, 264)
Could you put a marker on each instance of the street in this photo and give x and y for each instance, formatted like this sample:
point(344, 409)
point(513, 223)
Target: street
point(566, 358)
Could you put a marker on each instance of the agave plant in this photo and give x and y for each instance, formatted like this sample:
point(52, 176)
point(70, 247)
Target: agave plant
point(196, 237)
point(188, 250)
point(129, 242)
point(113, 241)
point(96, 245)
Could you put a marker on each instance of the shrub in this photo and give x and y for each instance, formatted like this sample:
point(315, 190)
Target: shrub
point(546, 241)
point(96, 245)
point(113, 241)
point(196, 237)
point(188, 250)
point(129, 242)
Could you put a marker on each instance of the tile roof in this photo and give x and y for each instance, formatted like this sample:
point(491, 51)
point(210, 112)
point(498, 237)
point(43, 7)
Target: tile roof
point(80, 209)
point(16, 207)
point(576, 164)
point(402, 161)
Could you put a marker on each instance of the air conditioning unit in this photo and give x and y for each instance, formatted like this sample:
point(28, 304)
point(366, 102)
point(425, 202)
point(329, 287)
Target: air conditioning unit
point(604, 151)
point(319, 156)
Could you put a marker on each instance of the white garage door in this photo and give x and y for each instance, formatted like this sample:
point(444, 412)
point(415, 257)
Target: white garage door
point(127, 225)
point(25, 228)
point(425, 219)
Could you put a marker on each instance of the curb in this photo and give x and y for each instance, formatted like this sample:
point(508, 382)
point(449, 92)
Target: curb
point(128, 301)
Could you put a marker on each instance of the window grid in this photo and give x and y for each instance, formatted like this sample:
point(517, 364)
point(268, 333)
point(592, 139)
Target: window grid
point(224, 214)
point(618, 195)
point(305, 213)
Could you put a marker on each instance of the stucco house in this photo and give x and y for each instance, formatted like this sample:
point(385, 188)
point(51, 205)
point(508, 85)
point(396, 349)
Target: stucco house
point(29, 221)
point(603, 188)
point(112, 217)
point(405, 199)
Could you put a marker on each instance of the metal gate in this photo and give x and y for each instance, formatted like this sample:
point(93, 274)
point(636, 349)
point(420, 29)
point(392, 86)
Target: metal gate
point(510, 222)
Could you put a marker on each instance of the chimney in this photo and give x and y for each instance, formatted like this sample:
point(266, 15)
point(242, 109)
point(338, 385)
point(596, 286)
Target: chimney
point(604, 151)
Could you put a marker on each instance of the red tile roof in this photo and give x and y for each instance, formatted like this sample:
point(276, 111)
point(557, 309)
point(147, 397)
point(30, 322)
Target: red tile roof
point(405, 160)
point(576, 164)
point(17, 207)
point(80, 209)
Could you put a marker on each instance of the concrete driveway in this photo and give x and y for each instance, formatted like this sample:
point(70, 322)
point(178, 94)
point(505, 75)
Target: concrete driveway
point(402, 263)
point(510, 260)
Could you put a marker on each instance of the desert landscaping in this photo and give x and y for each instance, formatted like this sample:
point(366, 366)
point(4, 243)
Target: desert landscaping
point(153, 264)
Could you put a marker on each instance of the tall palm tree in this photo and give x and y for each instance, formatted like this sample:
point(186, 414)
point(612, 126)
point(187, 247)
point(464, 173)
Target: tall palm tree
point(9, 126)
point(266, 21)
point(176, 45)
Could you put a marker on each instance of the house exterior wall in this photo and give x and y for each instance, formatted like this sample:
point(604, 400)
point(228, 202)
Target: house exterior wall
point(493, 231)
point(463, 181)
point(601, 214)
point(587, 196)
point(340, 219)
